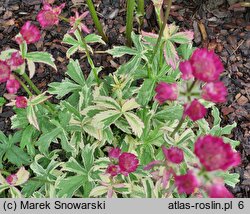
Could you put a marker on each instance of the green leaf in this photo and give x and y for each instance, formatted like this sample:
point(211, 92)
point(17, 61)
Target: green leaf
point(135, 123)
point(131, 66)
point(17, 156)
point(146, 92)
point(230, 179)
point(88, 156)
point(137, 41)
point(107, 102)
point(68, 39)
point(170, 54)
point(63, 88)
point(93, 38)
point(169, 113)
point(106, 118)
point(32, 68)
point(32, 118)
point(68, 186)
point(73, 166)
point(75, 72)
point(98, 191)
point(119, 51)
point(228, 129)
point(42, 57)
point(216, 115)
point(22, 176)
point(130, 105)
point(46, 139)
point(182, 37)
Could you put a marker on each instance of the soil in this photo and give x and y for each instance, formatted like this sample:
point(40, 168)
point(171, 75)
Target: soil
point(218, 25)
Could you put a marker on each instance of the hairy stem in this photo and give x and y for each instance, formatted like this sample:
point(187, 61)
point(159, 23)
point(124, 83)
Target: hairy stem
point(96, 20)
point(129, 21)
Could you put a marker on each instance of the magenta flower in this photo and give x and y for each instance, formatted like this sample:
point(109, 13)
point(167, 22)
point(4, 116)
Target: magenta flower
point(12, 86)
point(186, 183)
point(30, 33)
point(128, 163)
point(186, 70)
point(16, 60)
point(21, 102)
point(12, 179)
point(174, 154)
point(215, 92)
point(165, 91)
point(214, 154)
point(113, 170)
point(49, 16)
point(114, 153)
point(219, 191)
point(206, 65)
point(75, 22)
point(195, 110)
point(4, 71)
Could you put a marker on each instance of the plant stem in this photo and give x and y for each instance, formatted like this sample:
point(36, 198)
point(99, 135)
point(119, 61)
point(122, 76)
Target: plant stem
point(178, 127)
point(88, 56)
point(129, 21)
point(23, 85)
point(96, 20)
point(141, 10)
point(190, 89)
point(35, 89)
point(162, 29)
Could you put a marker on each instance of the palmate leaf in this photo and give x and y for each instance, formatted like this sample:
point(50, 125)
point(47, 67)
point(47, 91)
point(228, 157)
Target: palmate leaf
point(107, 102)
point(68, 186)
point(63, 88)
point(105, 118)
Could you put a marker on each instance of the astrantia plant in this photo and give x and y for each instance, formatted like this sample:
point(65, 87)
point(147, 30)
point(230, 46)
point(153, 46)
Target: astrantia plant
point(116, 136)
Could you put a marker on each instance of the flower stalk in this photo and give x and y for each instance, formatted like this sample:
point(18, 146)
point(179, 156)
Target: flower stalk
point(96, 20)
point(140, 10)
point(129, 21)
point(162, 30)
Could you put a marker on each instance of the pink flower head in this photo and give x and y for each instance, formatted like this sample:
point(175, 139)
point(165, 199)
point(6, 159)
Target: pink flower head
point(114, 153)
point(75, 22)
point(128, 163)
point(49, 16)
point(186, 70)
point(214, 154)
point(174, 154)
point(165, 91)
point(30, 33)
point(21, 102)
point(12, 86)
point(4, 71)
point(113, 170)
point(12, 179)
point(186, 183)
point(195, 110)
point(219, 191)
point(215, 92)
point(206, 65)
point(16, 60)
